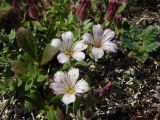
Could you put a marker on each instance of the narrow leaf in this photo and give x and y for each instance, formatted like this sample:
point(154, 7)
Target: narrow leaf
point(27, 42)
point(19, 66)
point(48, 53)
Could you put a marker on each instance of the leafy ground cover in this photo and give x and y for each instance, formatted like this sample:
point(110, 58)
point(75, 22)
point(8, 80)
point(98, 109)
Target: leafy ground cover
point(80, 60)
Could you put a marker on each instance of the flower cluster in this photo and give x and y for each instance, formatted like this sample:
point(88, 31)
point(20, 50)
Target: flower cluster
point(113, 13)
point(101, 41)
point(66, 83)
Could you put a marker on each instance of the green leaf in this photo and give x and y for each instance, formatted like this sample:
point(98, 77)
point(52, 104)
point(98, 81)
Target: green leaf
point(12, 35)
point(121, 8)
point(81, 63)
point(4, 8)
point(33, 71)
point(51, 114)
point(41, 78)
point(2, 89)
point(152, 47)
point(27, 42)
point(19, 82)
point(77, 32)
point(70, 17)
point(28, 85)
point(38, 26)
point(27, 105)
point(86, 22)
point(87, 27)
point(48, 53)
point(149, 34)
point(66, 66)
point(19, 66)
point(142, 57)
point(56, 98)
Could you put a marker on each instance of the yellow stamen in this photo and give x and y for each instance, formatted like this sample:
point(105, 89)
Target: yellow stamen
point(97, 44)
point(70, 90)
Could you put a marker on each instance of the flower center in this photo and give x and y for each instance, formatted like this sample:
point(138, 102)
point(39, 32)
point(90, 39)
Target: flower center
point(97, 44)
point(69, 52)
point(70, 90)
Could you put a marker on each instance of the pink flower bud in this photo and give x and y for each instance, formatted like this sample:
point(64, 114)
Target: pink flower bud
point(82, 9)
point(32, 10)
point(112, 9)
point(15, 6)
point(103, 90)
point(118, 20)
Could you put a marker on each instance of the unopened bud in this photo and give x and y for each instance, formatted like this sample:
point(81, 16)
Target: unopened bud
point(104, 89)
point(15, 6)
point(82, 9)
point(32, 10)
point(112, 9)
point(118, 21)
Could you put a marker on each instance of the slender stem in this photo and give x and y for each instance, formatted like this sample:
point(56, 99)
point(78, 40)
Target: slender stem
point(67, 109)
point(73, 107)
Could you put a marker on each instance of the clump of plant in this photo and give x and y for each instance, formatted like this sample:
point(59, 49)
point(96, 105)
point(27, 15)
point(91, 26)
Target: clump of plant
point(141, 43)
point(51, 56)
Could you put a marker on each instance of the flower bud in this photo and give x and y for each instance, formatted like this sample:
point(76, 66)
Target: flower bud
point(104, 89)
point(112, 9)
point(118, 21)
point(15, 6)
point(82, 9)
point(32, 10)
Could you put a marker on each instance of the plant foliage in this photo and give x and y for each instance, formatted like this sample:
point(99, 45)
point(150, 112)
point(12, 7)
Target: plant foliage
point(141, 43)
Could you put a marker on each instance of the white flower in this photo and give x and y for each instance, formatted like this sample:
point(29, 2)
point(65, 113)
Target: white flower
point(68, 49)
point(67, 84)
point(101, 41)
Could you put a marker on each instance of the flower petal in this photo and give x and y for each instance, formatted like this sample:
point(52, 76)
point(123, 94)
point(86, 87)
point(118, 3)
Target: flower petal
point(62, 58)
point(57, 88)
point(68, 98)
point(87, 38)
point(59, 76)
point(66, 36)
point(73, 75)
point(110, 46)
point(108, 35)
point(67, 40)
point(57, 43)
point(97, 52)
point(81, 86)
point(79, 56)
point(79, 46)
point(97, 32)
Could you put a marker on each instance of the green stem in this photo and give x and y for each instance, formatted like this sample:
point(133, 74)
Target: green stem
point(67, 109)
point(73, 107)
